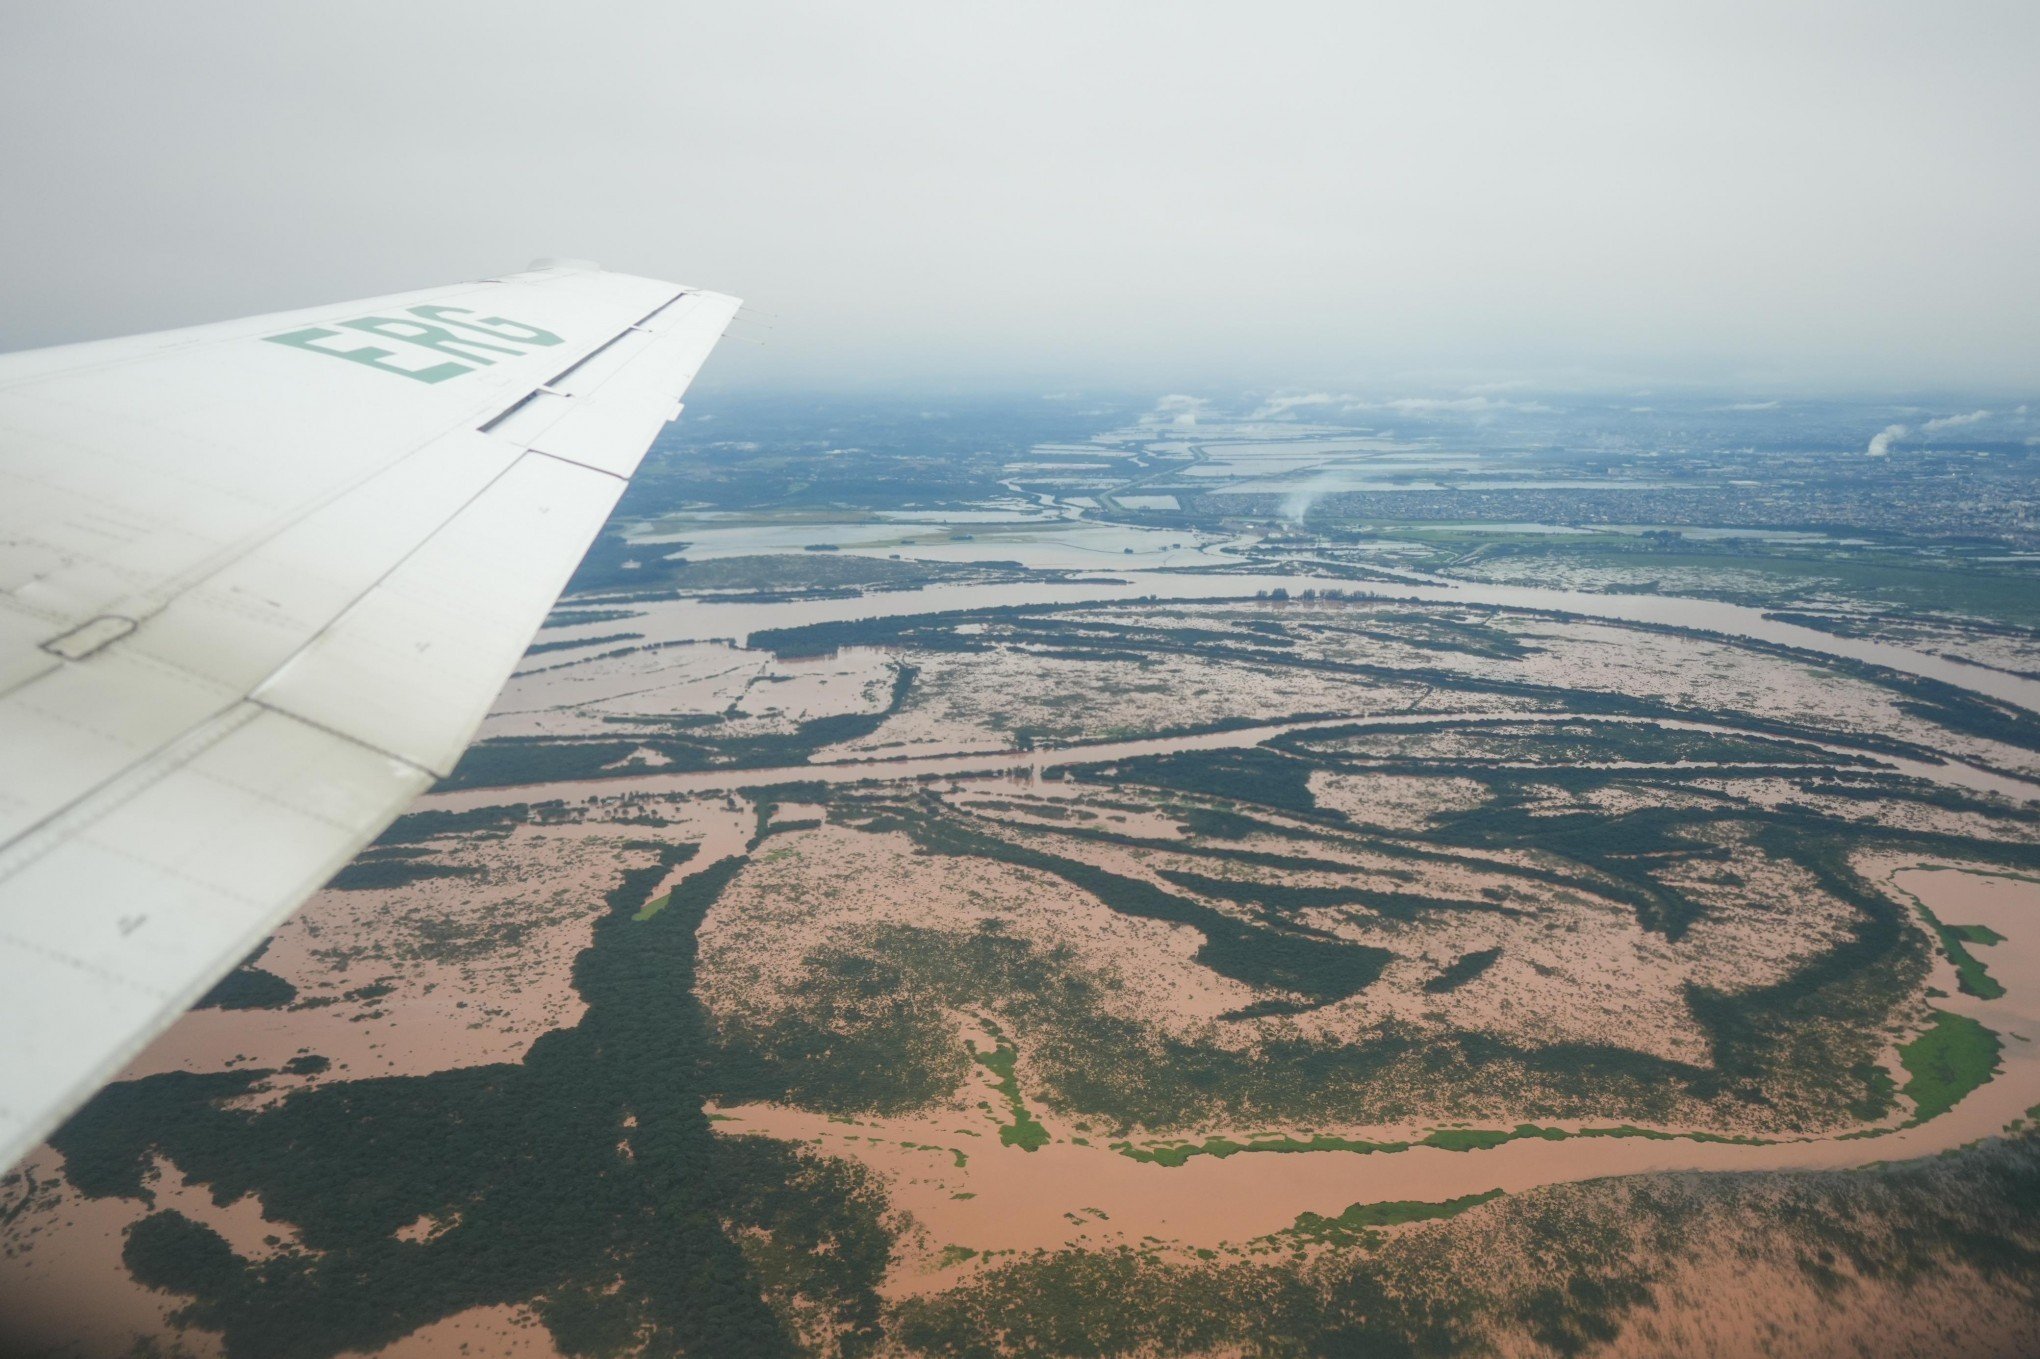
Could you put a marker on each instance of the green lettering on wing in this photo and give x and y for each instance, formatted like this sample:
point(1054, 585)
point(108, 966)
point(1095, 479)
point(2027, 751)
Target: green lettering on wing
point(500, 327)
point(432, 337)
point(427, 344)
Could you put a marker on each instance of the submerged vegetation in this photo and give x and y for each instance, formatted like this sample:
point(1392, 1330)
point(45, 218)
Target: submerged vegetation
point(1025, 1131)
point(1356, 1225)
point(1951, 1058)
point(1559, 1271)
point(691, 744)
point(1971, 975)
point(589, 1161)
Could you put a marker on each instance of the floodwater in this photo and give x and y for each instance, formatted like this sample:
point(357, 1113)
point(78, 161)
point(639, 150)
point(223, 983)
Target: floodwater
point(1032, 765)
point(1335, 484)
point(695, 620)
point(1004, 1198)
point(1040, 541)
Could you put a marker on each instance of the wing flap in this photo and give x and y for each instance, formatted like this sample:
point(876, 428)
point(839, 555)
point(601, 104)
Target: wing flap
point(117, 918)
point(80, 725)
point(242, 623)
point(607, 411)
point(412, 667)
point(609, 433)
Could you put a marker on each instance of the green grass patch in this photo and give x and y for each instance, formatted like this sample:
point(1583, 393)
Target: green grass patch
point(1025, 1131)
point(1951, 1058)
point(676, 854)
point(1480, 1139)
point(1178, 1153)
point(1443, 1139)
point(1657, 1135)
point(1971, 976)
point(1353, 1227)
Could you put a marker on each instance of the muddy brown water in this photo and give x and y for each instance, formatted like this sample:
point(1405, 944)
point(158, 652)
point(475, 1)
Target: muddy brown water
point(1004, 1198)
point(694, 620)
point(1007, 1199)
point(1033, 764)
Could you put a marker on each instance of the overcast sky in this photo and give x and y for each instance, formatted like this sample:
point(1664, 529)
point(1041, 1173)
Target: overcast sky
point(1013, 196)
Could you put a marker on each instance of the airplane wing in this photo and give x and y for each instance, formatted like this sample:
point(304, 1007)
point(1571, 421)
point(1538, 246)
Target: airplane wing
point(259, 583)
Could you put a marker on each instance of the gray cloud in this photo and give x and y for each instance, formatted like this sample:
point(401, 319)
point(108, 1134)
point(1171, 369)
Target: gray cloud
point(1953, 422)
point(1176, 409)
point(1881, 441)
point(1446, 405)
point(1286, 407)
point(1292, 196)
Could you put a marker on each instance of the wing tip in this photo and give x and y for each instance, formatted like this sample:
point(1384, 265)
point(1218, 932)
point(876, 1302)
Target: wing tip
point(549, 264)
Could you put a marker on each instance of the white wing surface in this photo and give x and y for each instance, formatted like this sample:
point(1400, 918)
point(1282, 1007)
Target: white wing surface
point(259, 583)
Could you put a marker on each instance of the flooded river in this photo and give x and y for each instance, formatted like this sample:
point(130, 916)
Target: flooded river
point(1007, 1198)
point(1033, 764)
point(1003, 1198)
point(694, 620)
